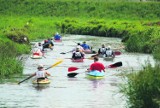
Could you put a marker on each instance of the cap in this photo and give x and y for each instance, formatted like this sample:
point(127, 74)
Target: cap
point(40, 66)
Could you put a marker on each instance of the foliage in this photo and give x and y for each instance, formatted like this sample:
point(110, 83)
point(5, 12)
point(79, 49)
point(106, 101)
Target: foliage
point(9, 64)
point(143, 88)
point(118, 9)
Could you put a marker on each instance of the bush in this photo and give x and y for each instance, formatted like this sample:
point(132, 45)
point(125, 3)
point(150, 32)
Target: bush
point(10, 65)
point(143, 88)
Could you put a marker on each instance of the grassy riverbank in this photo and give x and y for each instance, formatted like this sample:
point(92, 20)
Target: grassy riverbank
point(10, 63)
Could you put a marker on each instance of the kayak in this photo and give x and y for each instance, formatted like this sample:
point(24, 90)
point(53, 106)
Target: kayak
point(95, 75)
point(108, 58)
point(88, 51)
point(77, 60)
point(45, 81)
point(57, 40)
point(36, 57)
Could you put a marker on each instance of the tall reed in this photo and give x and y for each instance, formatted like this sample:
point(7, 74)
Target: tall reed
point(9, 64)
point(143, 88)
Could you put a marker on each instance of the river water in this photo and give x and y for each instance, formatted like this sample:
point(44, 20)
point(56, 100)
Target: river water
point(78, 92)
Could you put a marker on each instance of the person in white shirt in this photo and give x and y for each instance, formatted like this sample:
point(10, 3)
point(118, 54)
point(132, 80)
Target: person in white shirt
point(41, 74)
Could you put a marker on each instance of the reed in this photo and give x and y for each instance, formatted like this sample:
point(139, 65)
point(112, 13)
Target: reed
point(142, 88)
point(10, 65)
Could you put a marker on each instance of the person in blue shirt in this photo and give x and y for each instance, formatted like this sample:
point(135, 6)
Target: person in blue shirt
point(85, 46)
point(57, 36)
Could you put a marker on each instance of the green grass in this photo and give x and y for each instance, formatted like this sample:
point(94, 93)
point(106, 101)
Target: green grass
point(142, 88)
point(8, 60)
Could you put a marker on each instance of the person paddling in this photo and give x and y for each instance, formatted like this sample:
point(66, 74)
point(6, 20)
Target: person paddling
point(41, 74)
point(101, 51)
point(37, 51)
point(85, 46)
point(109, 52)
point(77, 54)
point(57, 36)
point(98, 66)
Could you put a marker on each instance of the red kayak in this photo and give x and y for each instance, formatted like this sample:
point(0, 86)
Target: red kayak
point(58, 40)
point(88, 51)
point(77, 60)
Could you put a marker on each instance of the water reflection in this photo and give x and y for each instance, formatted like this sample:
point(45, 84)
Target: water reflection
point(97, 83)
point(40, 87)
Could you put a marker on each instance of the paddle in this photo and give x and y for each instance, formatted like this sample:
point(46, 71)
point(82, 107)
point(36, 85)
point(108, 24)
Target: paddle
point(55, 64)
point(65, 52)
point(117, 52)
point(73, 74)
point(91, 58)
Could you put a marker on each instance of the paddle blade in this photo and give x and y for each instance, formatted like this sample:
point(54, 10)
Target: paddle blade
point(117, 64)
point(117, 53)
point(72, 74)
point(70, 69)
point(62, 53)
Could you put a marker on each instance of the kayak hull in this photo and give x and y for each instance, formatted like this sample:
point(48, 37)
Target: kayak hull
point(43, 82)
point(36, 57)
point(77, 60)
point(108, 58)
point(88, 51)
point(95, 75)
point(57, 40)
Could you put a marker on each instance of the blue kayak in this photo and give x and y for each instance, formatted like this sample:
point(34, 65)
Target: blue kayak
point(95, 75)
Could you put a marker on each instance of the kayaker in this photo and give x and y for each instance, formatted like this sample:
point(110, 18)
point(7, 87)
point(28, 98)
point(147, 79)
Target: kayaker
point(77, 54)
point(41, 74)
point(37, 51)
point(109, 52)
point(96, 66)
point(50, 44)
point(47, 44)
point(102, 50)
point(57, 36)
point(85, 46)
point(40, 46)
point(79, 47)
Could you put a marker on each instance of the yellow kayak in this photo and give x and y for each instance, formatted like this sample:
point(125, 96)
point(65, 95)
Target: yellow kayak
point(45, 81)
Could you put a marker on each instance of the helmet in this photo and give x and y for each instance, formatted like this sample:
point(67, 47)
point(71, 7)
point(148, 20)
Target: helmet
point(57, 33)
point(40, 66)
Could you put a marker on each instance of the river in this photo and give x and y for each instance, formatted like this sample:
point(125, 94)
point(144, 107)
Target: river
point(78, 92)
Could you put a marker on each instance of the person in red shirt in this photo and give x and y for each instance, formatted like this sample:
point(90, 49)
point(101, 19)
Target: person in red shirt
point(97, 65)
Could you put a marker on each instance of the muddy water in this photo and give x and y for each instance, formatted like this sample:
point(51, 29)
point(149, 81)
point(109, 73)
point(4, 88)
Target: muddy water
point(78, 92)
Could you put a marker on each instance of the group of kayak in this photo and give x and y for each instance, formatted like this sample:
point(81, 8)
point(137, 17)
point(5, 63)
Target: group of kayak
point(95, 71)
point(38, 50)
point(82, 49)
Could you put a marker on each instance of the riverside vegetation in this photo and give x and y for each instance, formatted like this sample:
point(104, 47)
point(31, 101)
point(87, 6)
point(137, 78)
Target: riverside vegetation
point(137, 23)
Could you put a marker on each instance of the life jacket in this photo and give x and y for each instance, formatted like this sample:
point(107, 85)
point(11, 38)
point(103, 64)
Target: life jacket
point(78, 54)
point(40, 74)
point(109, 53)
point(102, 50)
